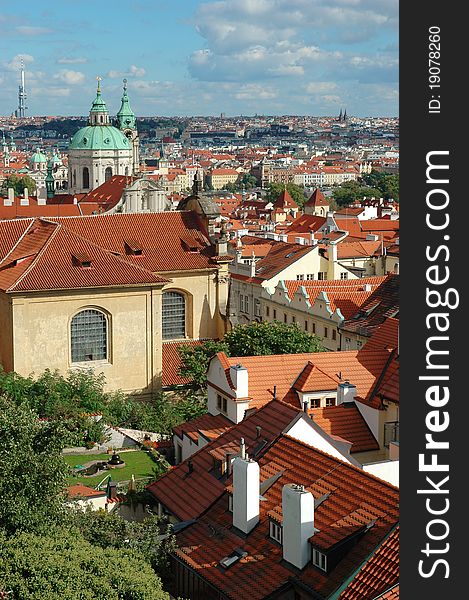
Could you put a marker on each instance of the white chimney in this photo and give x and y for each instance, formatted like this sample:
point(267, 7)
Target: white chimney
point(239, 377)
point(25, 201)
point(367, 287)
point(346, 393)
point(11, 196)
point(298, 524)
point(246, 481)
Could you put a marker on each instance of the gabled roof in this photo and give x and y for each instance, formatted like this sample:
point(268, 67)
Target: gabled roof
point(382, 303)
point(343, 493)
point(317, 199)
point(306, 224)
point(188, 495)
point(40, 253)
point(361, 367)
point(285, 201)
point(209, 426)
point(379, 572)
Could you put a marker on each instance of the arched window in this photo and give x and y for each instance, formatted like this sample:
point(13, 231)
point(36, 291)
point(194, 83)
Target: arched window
point(174, 315)
point(74, 177)
point(89, 336)
point(107, 174)
point(86, 178)
point(126, 171)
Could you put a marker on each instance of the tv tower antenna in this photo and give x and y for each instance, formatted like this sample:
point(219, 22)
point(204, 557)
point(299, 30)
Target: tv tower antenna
point(21, 94)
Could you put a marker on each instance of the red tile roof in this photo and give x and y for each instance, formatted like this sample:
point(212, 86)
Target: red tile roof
point(188, 495)
point(306, 224)
point(381, 304)
point(392, 594)
point(360, 367)
point(346, 421)
point(285, 201)
point(379, 572)
point(317, 199)
point(210, 426)
point(352, 496)
point(385, 335)
point(172, 362)
point(50, 246)
point(78, 490)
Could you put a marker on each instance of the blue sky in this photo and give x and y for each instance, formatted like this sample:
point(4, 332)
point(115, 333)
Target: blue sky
point(189, 57)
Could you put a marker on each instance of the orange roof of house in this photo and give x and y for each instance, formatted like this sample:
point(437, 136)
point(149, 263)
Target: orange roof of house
point(42, 254)
point(317, 199)
point(209, 426)
point(78, 490)
point(306, 224)
point(350, 496)
point(188, 495)
point(358, 249)
point(379, 572)
point(345, 421)
point(285, 372)
point(384, 336)
point(108, 194)
point(285, 201)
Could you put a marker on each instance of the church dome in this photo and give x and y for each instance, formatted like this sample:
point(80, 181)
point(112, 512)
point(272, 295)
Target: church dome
point(99, 137)
point(38, 157)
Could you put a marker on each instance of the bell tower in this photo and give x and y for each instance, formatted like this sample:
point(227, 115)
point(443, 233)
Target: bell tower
point(127, 123)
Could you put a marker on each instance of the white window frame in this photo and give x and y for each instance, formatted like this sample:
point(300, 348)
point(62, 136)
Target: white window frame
point(319, 560)
point(275, 531)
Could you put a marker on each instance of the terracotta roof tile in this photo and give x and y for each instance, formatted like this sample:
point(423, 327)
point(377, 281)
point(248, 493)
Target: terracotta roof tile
point(210, 426)
point(172, 362)
point(78, 490)
point(356, 496)
point(188, 495)
point(379, 572)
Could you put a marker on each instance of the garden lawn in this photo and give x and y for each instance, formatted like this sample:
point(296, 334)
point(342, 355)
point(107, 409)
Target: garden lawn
point(137, 463)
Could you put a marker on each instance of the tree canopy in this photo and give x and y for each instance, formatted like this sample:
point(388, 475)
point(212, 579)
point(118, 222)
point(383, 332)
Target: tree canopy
point(33, 471)
point(247, 340)
point(387, 184)
point(62, 564)
point(18, 183)
point(346, 193)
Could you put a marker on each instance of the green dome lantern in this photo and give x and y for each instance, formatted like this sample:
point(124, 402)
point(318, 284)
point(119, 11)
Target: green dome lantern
point(125, 117)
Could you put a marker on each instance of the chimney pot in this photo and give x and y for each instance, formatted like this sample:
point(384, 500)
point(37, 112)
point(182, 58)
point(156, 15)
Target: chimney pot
point(298, 524)
point(258, 431)
point(190, 466)
point(246, 481)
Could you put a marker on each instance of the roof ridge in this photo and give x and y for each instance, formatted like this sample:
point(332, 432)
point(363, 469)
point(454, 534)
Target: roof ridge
point(32, 220)
point(38, 255)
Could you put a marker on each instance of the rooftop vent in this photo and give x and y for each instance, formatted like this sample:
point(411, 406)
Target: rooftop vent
point(233, 558)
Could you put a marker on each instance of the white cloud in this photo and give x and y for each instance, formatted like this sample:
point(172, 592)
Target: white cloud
point(15, 62)
point(132, 71)
point(70, 77)
point(31, 31)
point(72, 60)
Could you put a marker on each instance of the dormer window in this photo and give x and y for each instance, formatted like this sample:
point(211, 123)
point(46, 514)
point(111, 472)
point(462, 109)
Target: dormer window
point(133, 248)
point(275, 531)
point(80, 259)
point(319, 560)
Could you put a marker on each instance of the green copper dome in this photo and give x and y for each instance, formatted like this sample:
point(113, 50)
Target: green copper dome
point(38, 157)
point(99, 137)
point(125, 117)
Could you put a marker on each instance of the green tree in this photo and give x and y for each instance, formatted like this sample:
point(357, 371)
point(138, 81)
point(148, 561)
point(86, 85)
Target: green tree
point(32, 470)
point(248, 180)
point(195, 360)
point(18, 183)
point(247, 340)
point(346, 193)
point(296, 192)
point(270, 338)
point(152, 538)
point(62, 564)
point(387, 184)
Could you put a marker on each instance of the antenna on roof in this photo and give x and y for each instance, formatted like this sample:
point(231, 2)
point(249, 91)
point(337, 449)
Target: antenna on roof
point(275, 393)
